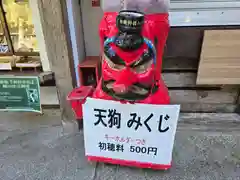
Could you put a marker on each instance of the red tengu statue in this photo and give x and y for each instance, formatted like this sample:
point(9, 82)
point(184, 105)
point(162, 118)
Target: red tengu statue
point(133, 35)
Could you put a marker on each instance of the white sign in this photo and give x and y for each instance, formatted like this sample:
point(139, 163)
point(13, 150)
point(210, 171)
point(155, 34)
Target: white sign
point(133, 132)
point(5, 66)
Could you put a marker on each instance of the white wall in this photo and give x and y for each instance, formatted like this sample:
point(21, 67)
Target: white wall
point(91, 20)
point(39, 34)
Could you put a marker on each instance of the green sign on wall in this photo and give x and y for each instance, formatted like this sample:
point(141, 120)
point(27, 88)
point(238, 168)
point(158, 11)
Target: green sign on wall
point(20, 93)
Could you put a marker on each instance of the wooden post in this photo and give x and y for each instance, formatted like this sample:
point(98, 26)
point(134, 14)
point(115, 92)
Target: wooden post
point(58, 46)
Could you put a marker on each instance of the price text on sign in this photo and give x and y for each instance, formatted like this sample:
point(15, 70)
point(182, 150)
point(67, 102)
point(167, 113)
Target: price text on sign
point(132, 132)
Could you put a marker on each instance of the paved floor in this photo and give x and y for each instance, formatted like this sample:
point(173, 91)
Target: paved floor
point(34, 147)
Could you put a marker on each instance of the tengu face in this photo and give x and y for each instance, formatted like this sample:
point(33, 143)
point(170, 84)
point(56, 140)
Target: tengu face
point(128, 80)
point(129, 59)
point(132, 42)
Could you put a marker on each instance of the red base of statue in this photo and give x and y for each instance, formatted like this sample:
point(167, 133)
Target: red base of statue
point(130, 163)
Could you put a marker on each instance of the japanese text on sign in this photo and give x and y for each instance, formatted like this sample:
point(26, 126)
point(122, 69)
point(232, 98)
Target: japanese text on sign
point(20, 93)
point(133, 132)
point(113, 118)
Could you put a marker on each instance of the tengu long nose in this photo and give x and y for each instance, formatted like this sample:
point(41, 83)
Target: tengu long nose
point(126, 79)
point(120, 88)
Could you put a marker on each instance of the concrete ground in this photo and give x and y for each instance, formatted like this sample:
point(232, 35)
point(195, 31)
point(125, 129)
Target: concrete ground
point(35, 147)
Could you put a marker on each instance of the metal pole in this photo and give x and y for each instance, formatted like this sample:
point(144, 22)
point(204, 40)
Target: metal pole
point(123, 4)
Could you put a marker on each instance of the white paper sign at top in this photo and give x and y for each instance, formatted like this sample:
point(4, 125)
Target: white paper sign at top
point(133, 132)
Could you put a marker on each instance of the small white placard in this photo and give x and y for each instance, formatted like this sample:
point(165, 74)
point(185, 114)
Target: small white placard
point(5, 66)
point(133, 132)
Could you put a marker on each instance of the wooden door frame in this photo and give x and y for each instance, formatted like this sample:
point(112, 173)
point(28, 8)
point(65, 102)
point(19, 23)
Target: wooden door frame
point(6, 31)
